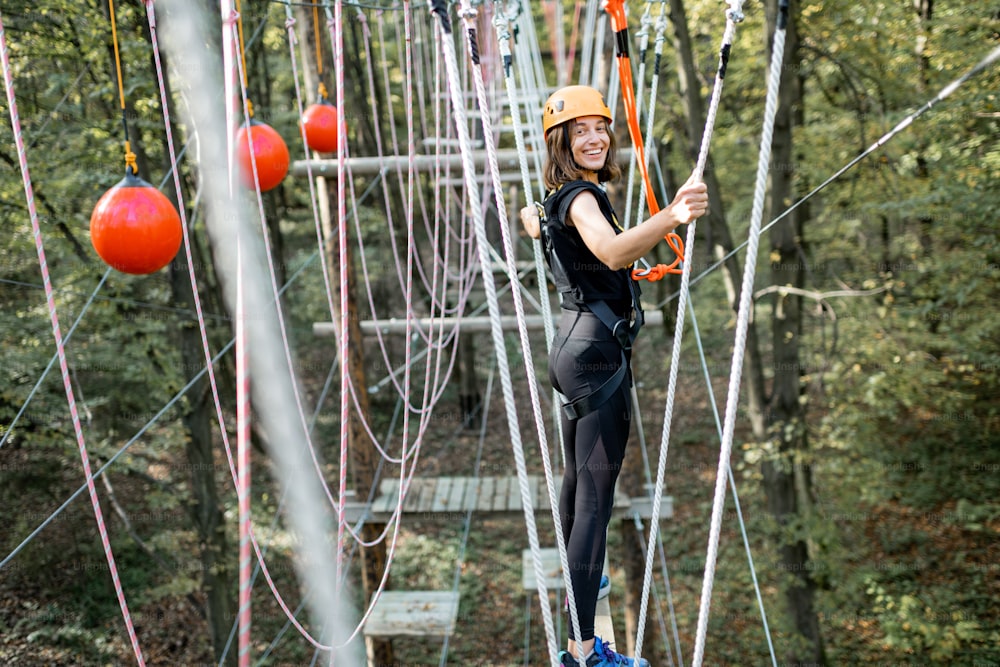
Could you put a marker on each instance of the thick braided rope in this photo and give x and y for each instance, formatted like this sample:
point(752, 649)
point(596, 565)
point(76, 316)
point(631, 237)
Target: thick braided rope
point(742, 324)
point(733, 16)
point(500, 23)
point(643, 36)
point(29, 195)
point(732, 485)
point(503, 38)
point(661, 29)
point(468, 16)
point(496, 328)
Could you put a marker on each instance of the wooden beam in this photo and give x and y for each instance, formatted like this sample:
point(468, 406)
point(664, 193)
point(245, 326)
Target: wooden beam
point(506, 158)
point(469, 324)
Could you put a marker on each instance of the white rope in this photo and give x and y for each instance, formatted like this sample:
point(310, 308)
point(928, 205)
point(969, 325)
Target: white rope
point(468, 15)
point(475, 206)
point(661, 28)
point(733, 16)
point(587, 56)
point(742, 324)
point(503, 38)
point(732, 485)
point(643, 36)
point(527, 57)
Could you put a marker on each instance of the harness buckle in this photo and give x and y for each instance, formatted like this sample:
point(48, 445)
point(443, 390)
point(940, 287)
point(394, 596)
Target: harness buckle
point(623, 329)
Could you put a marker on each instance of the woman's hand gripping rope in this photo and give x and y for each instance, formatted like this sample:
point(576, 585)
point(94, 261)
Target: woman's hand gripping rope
point(689, 204)
point(531, 216)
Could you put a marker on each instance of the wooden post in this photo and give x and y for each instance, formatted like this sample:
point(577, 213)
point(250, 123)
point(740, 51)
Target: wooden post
point(373, 559)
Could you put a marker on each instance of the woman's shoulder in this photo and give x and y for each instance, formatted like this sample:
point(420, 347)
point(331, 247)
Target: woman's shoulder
point(565, 193)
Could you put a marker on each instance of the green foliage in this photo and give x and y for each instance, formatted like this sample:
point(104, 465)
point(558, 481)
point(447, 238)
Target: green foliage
point(922, 628)
point(901, 390)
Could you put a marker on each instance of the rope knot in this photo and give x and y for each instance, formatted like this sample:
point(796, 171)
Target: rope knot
point(233, 17)
point(130, 161)
point(735, 12)
point(467, 12)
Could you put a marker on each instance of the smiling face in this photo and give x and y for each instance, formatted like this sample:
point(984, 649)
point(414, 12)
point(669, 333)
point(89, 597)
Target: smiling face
point(590, 140)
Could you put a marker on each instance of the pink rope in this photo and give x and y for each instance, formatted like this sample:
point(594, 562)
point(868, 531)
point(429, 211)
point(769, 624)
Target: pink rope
point(345, 380)
point(240, 472)
point(243, 417)
point(60, 348)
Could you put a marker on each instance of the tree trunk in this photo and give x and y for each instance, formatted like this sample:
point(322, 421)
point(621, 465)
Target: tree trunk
point(787, 479)
point(720, 239)
point(217, 584)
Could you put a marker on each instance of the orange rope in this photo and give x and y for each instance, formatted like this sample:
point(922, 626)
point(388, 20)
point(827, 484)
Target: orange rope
point(619, 24)
point(243, 54)
point(658, 272)
point(319, 51)
point(129, 155)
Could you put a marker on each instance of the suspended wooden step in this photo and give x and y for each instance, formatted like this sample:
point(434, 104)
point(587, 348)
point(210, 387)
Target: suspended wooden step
point(413, 614)
point(452, 497)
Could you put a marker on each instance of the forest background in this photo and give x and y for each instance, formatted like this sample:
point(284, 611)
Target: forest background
point(867, 452)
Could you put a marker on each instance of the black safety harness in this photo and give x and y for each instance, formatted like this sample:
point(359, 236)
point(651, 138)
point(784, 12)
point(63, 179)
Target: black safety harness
point(623, 329)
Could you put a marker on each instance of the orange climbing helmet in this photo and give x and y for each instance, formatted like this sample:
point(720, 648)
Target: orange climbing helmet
point(573, 102)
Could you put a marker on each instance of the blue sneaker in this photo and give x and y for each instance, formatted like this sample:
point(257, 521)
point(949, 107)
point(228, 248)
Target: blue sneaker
point(603, 656)
point(605, 587)
point(602, 592)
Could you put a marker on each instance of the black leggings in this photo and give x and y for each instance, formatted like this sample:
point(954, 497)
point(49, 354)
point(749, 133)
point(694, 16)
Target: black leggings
point(584, 355)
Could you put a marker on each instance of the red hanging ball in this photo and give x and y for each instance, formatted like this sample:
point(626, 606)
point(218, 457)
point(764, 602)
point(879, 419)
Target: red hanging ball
point(320, 124)
point(269, 152)
point(134, 227)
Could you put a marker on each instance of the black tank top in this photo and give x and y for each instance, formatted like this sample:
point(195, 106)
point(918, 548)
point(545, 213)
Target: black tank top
point(578, 274)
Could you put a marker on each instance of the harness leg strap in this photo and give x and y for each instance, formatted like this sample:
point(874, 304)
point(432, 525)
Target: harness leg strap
point(584, 405)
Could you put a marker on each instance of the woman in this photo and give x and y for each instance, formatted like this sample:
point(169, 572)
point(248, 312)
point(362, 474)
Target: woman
point(590, 256)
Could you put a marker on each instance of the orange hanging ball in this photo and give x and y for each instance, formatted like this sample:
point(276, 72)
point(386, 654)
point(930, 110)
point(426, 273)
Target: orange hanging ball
point(134, 227)
point(269, 153)
point(320, 124)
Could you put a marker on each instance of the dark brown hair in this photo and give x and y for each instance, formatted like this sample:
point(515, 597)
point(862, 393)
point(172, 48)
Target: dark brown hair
point(561, 168)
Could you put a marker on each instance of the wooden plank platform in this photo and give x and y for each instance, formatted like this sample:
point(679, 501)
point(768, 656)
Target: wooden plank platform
point(414, 613)
point(452, 497)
